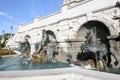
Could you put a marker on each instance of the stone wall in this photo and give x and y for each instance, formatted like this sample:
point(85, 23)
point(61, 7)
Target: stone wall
point(67, 23)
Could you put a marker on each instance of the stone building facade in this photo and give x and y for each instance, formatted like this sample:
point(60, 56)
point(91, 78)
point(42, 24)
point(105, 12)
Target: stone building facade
point(71, 24)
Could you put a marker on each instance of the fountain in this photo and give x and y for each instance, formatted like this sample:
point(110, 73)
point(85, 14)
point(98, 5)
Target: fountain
point(92, 49)
point(43, 63)
point(42, 58)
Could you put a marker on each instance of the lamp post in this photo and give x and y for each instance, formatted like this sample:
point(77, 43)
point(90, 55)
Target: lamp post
point(11, 31)
point(3, 36)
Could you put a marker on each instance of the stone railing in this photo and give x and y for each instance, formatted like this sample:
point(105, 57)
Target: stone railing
point(72, 73)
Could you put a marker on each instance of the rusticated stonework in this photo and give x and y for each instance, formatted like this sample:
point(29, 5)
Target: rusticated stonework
point(71, 24)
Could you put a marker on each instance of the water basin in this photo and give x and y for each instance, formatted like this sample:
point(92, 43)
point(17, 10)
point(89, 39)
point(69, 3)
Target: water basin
point(16, 63)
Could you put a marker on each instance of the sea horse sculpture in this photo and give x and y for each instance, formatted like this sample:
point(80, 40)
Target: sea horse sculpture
point(44, 40)
point(91, 45)
point(100, 49)
point(46, 50)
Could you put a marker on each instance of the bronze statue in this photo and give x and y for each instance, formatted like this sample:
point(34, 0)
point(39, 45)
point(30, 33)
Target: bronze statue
point(100, 50)
point(43, 41)
point(46, 50)
point(92, 46)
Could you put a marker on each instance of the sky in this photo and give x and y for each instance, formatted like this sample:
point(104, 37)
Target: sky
point(15, 12)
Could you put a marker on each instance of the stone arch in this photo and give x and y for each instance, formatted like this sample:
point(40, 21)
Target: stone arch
point(25, 46)
point(28, 37)
point(51, 35)
point(107, 20)
point(102, 31)
point(28, 42)
point(50, 32)
point(81, 32)
point(103, 18)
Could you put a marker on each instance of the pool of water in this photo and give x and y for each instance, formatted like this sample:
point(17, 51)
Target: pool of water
point(13, 63)
point(16, 63)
